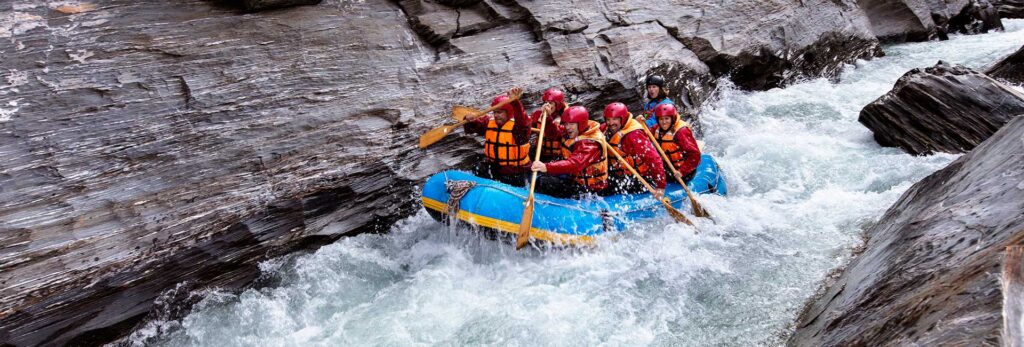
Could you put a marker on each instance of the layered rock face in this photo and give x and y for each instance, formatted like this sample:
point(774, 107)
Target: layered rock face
point(929, 275)
point(943, 108)
point(259, 5)
point(978, 17)
point(922, 20)
point(897, 21)
point(152, 144)
point(1010, 68)
point(1010, 8)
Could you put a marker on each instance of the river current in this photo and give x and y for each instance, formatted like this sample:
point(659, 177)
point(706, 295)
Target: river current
point(805, 179)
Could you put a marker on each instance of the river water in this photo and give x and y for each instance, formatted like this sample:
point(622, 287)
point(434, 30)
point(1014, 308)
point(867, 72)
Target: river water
point(805, 178)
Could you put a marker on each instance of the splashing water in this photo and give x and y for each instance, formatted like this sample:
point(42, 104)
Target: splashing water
point(806, 179)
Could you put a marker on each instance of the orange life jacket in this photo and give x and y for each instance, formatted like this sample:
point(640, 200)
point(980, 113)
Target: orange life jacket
point(551, 148)
point(667, 141)
point(637, 162)
point(594, 176)
point(500, 146)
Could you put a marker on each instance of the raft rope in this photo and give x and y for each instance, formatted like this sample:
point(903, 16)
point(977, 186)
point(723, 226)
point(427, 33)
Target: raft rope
point(607, 216)
point(606, 209)
point(456, 191)
point(607, 220)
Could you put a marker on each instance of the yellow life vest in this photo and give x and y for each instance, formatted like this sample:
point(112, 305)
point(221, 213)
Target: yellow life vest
point(594, 176)
point(500, 146)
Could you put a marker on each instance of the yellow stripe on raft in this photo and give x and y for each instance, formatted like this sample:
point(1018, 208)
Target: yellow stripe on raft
point(509, 227)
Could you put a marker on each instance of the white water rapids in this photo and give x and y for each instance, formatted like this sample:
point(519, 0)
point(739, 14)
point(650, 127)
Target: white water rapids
point(805, 180)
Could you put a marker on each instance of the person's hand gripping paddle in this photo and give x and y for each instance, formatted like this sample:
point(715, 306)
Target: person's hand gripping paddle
point(464, 114)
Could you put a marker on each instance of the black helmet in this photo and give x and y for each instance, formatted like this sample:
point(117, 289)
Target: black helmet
point(655, 80)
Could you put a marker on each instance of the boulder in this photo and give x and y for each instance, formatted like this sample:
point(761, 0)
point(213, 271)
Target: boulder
point(149, 146)
point(978, 17)
point(783, 42)
point(930, 271)
point(922, 20)
point(1010, 8)
point(1010, 68)
point(944, 108)
point(898, 21)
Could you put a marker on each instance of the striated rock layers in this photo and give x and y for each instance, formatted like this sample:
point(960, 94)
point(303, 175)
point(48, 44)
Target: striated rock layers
point(910, 20)
point(259, 5)
point(929, 275)
point(978, 17)
point(1010, 68)
point(922, 20)
point(943, 108)
point(150, 144)
point(1010, 8)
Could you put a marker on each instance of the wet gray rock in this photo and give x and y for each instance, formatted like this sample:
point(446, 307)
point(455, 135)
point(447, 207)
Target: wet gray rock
point(898, 21)
point(1012, 280)
point(1010, 68)
point(922, 20)
point(978, 17)
point(784, 42)
point(944, 108)
point(259, 5)
point(929, 274)
point(1010, 8)
point(147, 146)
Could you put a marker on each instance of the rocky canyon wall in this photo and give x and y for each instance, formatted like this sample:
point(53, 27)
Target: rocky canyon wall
point(922, 20)
point(930, 272)
point(146, 145)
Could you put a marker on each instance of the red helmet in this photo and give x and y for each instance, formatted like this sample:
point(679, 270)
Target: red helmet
point(616, 110)
point(578, 115)
point(553, 95)
point(508, 107)
point(664, 110)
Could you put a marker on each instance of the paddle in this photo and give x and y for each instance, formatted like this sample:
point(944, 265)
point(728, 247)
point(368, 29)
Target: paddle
point(698, 210)
point(672, 211)
point(439, 133)
point(460, 112)
point(524, 224)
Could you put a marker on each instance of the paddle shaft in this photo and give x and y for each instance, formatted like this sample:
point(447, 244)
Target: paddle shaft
point(536, 157)
point(664, 200)
point(459, 124)
point(697, 209)
point(488, 110)
point(623, 162)
point(495, 107)
point(436, 134)
point(524, 225)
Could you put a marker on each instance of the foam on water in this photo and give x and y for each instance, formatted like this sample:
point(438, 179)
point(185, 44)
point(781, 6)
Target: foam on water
point(806, 179)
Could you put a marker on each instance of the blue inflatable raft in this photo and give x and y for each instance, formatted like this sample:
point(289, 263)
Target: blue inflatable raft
point(499, 207)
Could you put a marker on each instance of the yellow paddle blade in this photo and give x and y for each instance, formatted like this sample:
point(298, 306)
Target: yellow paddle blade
point(524, 226)
point(436, 134)
point(460, 112)
point(698, 210)
point(672, 211)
